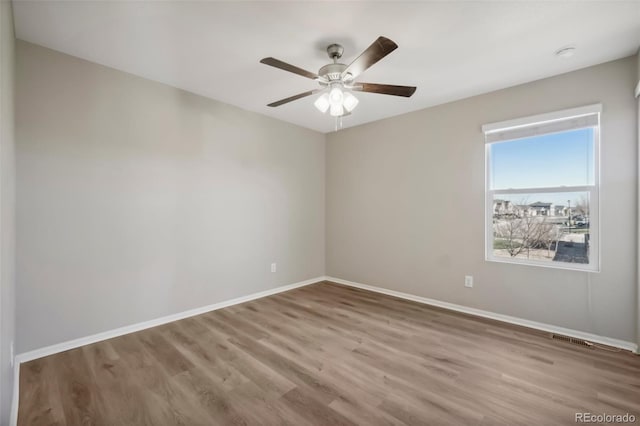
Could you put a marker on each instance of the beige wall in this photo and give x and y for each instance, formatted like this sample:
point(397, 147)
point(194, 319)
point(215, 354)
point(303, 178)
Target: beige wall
point(7, 209)
point(405, 206)
point(137, 200)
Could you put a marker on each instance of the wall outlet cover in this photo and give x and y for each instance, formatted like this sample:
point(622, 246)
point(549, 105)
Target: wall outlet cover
point(468, 281)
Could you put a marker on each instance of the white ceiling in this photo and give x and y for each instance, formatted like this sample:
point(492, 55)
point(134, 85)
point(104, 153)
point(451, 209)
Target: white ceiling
point(449, 50)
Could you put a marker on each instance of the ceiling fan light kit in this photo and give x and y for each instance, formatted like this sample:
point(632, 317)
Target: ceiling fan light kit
point(337, 80)
point(337, 101)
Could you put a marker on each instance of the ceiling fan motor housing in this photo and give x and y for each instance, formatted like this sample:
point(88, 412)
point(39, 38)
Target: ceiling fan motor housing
point(332, 72)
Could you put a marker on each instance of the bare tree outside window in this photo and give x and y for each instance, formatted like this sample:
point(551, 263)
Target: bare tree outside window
point(541, 230)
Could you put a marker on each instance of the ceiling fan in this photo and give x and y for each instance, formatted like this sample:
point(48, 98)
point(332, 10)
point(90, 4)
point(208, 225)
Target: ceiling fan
point(337, 80)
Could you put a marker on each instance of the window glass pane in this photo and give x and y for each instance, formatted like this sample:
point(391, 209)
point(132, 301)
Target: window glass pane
point(549, 227)
point(552, 160)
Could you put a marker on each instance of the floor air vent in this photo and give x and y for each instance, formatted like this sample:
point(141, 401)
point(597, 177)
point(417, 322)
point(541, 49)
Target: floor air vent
point(573, 340)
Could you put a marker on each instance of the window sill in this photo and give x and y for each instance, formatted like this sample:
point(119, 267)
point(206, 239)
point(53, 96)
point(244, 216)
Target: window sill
point(555, 265)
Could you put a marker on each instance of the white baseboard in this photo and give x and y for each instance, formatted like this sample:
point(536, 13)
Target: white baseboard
point(75, 343)
point(622, 344)
point(13, 415)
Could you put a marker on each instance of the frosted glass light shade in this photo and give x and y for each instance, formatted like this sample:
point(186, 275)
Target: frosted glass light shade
point(350, 101)
point(322, 103)
point(336, 96)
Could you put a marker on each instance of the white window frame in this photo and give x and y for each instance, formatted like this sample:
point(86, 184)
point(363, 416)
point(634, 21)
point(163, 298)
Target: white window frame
point(545, 124)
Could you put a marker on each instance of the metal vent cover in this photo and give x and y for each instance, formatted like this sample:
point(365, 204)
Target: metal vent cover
point(572, 340)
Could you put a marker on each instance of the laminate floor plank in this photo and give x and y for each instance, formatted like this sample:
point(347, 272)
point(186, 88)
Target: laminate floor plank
point(265, 378)
point(40, 402)
point(326, 354)
point(81, 399)
point(120, 396)
point(274, 411)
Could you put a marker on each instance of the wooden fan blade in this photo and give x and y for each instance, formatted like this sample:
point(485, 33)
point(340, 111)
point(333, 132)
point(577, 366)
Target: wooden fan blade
point(292, 98)
point(385, 89)
point(378, 50)
point(288, 67)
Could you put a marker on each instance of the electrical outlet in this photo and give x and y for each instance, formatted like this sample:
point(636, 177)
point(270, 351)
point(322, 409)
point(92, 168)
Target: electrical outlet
point(274, 267)
point(468, 281)
point(11, 353)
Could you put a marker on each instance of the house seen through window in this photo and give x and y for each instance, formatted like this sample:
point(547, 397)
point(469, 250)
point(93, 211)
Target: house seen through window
point(542, 190)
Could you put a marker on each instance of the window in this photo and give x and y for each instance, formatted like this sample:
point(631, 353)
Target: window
point(542, 182)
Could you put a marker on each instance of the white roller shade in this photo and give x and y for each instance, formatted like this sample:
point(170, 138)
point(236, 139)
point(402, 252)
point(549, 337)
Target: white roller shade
point(560, 121)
